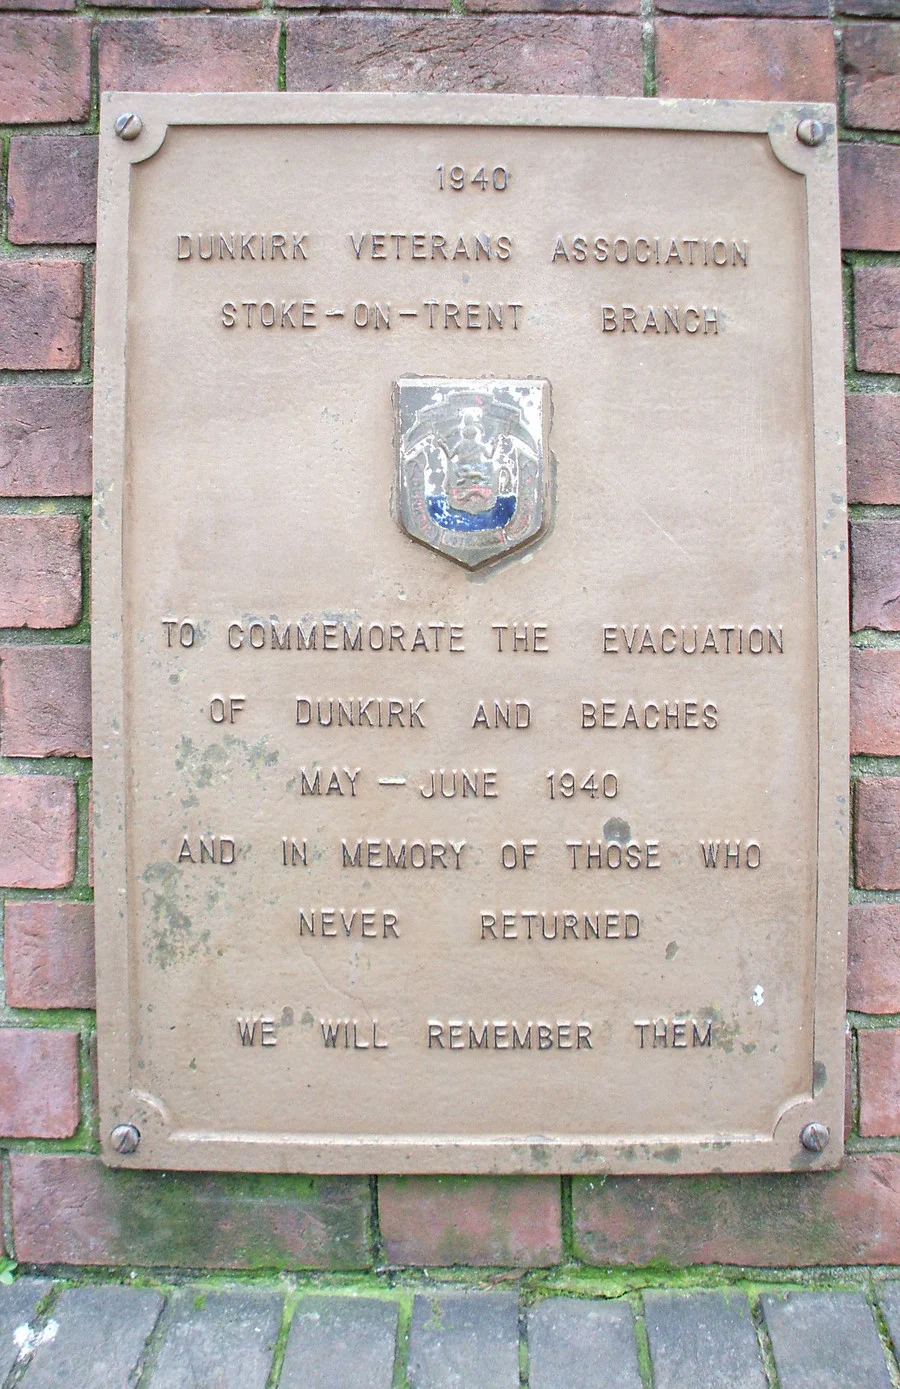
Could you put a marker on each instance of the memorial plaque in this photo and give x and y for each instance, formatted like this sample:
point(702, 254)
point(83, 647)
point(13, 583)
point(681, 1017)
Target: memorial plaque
point(469, 635)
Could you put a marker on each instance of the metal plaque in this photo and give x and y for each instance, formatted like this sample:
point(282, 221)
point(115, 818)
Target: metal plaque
point(469, 635)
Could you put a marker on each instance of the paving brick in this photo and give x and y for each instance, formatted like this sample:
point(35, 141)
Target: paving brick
point(879, 1083)
point(69, 1208)
point(876, 312)
point(51, 190)
point(189, 54)
point(41, 304)
point(99, 1341)
point(440, 1221)
point(45, 701)
point(226, 1340)
point(872, 76)
point(502, 53)
point(874, 701)
point(702, 1338)
point(48, 953)
point(875, 574)
point(38, 1083)
point(889, 1298)
point(45, 441)
point(870, 195)
point(329, 1333)
point(757, 9)
point(40, 571)
point(851, 1216)
point(760, 59)
point(877, 833)
point(873, 963)
point(469, 1339)
point(873, 448)
point(37, 831)
point(45, 68)
point(825, 1338)
point(575, 1344)
point(17, 1307)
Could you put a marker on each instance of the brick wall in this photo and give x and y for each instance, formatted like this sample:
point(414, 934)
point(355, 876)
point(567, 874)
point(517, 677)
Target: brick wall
point(58, 1203)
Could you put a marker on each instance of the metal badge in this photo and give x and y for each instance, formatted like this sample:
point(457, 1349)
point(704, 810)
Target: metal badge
point(473, 465)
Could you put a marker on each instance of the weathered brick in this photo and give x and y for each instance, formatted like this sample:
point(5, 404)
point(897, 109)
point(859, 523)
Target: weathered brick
point(872, 76)
point(877, 833)
point(875, 574)
point(37, 831)
point(45, 69)
point(876, 302)
point(45, 441)
point(438, 1221)
point(52, 189)
point(40, 571)
point(48, 954)
point(873, 957)
point(38, 1083)
point(870, 195)
point(875, 9)
point(189, 54)
point(45, 701)
point(875, 702)
point(851, 1216)
point(69, 1208)
point(873, 448)
point(760, 59)
point(41, 304)
point(879, 1083)
point(37, 5)
point(757, 9)
point(502, 53)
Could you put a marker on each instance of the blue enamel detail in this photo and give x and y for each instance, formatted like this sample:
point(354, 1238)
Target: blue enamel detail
point(449, 519)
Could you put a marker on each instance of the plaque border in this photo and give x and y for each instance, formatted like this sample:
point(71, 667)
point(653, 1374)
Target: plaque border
point(122, 1100)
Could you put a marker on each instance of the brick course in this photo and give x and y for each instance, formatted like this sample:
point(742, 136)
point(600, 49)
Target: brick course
point(756, 59)
point(181, 54)
point(37, 831)
point(38, 1083)
point(440, 1221)
point(48, 954)
point(40, 571)
point(51, 191)
point(873, 448)
point(45, 68)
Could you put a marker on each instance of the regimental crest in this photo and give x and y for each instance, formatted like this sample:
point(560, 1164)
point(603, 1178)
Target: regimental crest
point(473, 464)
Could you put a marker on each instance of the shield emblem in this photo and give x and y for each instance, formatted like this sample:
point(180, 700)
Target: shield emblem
point(473, 464)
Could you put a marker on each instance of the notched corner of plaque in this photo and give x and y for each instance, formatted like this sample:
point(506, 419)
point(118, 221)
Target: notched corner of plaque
point(473, 477)
point(804, 136)
point(133, 1125)
point(809, 1132)
point(143, 131)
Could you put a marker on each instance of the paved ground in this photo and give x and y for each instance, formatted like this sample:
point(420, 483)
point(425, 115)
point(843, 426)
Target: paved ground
point(243, 1337)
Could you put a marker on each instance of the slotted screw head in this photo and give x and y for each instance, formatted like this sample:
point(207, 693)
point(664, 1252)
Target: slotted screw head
point(811, 132)
point(814, 1137)
point(125, 1138)
point(129, 125)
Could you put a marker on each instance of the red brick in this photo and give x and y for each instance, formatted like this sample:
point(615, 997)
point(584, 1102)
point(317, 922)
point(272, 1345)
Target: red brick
point(70, 1209)
point(38, 1083)
point(876, 302)
point(761, 59)
point(40, 571)
point(868, 8)
point(52, 189)
point(875, 702)
point(48, 955)
point(873, 957)
point(879, 1083)
point(45, 69)
point(37, 831)
point(37, 5)
point(870, 196)
point(45, 441)
point(757, 9)
point(851, 1216)
point(872, 76)
point(45, 701)
point(189, 54)
point(873, 448)
point(439, 1221)
point(502, 53)
point(875, 573)
point(40, 315)
point(877, 833)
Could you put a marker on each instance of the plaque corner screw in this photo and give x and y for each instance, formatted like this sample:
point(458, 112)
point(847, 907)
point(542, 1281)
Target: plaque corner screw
point(128, 125)
point(814, 1137)
point(125, 1138)
point(810, 132)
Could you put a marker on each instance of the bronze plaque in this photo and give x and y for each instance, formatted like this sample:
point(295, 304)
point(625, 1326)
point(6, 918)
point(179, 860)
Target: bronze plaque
point(469, 635)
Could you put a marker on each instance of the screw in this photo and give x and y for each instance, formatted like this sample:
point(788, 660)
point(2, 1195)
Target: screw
point(811, 132)
point(125, 1138)
point(129, 125)
point(814, 1137)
